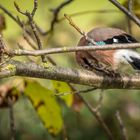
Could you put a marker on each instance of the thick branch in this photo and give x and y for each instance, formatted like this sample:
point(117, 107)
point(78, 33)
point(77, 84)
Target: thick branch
point(71, 75)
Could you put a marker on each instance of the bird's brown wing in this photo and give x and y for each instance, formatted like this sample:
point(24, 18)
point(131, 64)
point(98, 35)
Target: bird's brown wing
point(99, 61)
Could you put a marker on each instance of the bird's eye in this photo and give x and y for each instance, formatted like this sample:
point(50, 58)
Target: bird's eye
point(115, 40)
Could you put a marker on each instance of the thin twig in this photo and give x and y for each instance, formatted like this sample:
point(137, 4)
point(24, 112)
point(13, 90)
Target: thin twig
point(12, 121)
point(74, 25)
point(122, 127)
point(74, 15)
point(98, 117)
point(36, 35)
point(33, 27)
point(16, 19)
point(10, 15)
point(56, 12)
point(34, 31)
point(18, 9)
point(129, 25)
point(126, 11)
point(27, 39)
point(35, 8)
point(130, 8)
point(64, 133)
point(79, 30)
point(20, 52)
point(99, 105)
point(76, 92)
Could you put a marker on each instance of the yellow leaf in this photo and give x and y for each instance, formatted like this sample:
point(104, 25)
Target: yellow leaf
point(46, 106)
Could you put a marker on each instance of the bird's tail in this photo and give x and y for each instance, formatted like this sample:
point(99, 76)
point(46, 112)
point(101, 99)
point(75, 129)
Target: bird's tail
point(135, 63)
point(133, 58)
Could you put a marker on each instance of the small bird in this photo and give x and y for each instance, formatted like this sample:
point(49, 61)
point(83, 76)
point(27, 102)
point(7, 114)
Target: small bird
point(107, 61)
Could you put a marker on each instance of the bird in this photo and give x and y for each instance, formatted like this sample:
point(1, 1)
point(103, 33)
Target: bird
point(107, 61)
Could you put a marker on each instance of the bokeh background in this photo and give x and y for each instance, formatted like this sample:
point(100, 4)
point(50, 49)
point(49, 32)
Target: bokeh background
point(77, 124)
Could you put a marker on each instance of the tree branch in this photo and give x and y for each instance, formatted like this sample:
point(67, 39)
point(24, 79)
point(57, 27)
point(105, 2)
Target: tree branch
point(126, 11)
point(55, 12)
point(35, 8)
point(32, 24)
point(20, 52)
point(16, 19)
point(122, 127)
point(12, 120)
point(98, 117)
point(84, 77)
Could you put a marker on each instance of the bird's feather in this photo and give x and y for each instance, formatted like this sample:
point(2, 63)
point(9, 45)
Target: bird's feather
point(105, 60)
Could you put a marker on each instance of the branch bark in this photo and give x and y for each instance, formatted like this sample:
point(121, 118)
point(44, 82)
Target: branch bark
point(82, 77)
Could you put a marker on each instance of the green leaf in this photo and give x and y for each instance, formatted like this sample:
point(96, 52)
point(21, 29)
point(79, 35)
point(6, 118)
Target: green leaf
point(46, 106)
point(62, 87)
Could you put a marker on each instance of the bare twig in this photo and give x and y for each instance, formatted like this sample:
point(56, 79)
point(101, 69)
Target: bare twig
point(79, 30)
point(16, 19)
point(98, 117)
point(76, 14)
point(126, 11)
point(122, 127)
point(64, 133)
point(34, 31)
point(35, 8)
point(12, 121)
point(33, 27)
point(11, 16)
point(95, 112)
point(56, 12)
point(97, 108)
point(20, 52)
point(129, 25)
point(74, 25)
point(130, 8)
point(27, 39)
point(19, 10)
point(76, 92)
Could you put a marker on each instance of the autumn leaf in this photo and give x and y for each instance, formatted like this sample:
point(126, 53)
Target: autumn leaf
point(46, 106)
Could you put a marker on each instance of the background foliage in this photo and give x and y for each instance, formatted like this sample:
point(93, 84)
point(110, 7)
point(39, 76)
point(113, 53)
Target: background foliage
point(39, 114)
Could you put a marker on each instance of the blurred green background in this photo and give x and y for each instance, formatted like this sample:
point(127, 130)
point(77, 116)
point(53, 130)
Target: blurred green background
point(75, 125)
